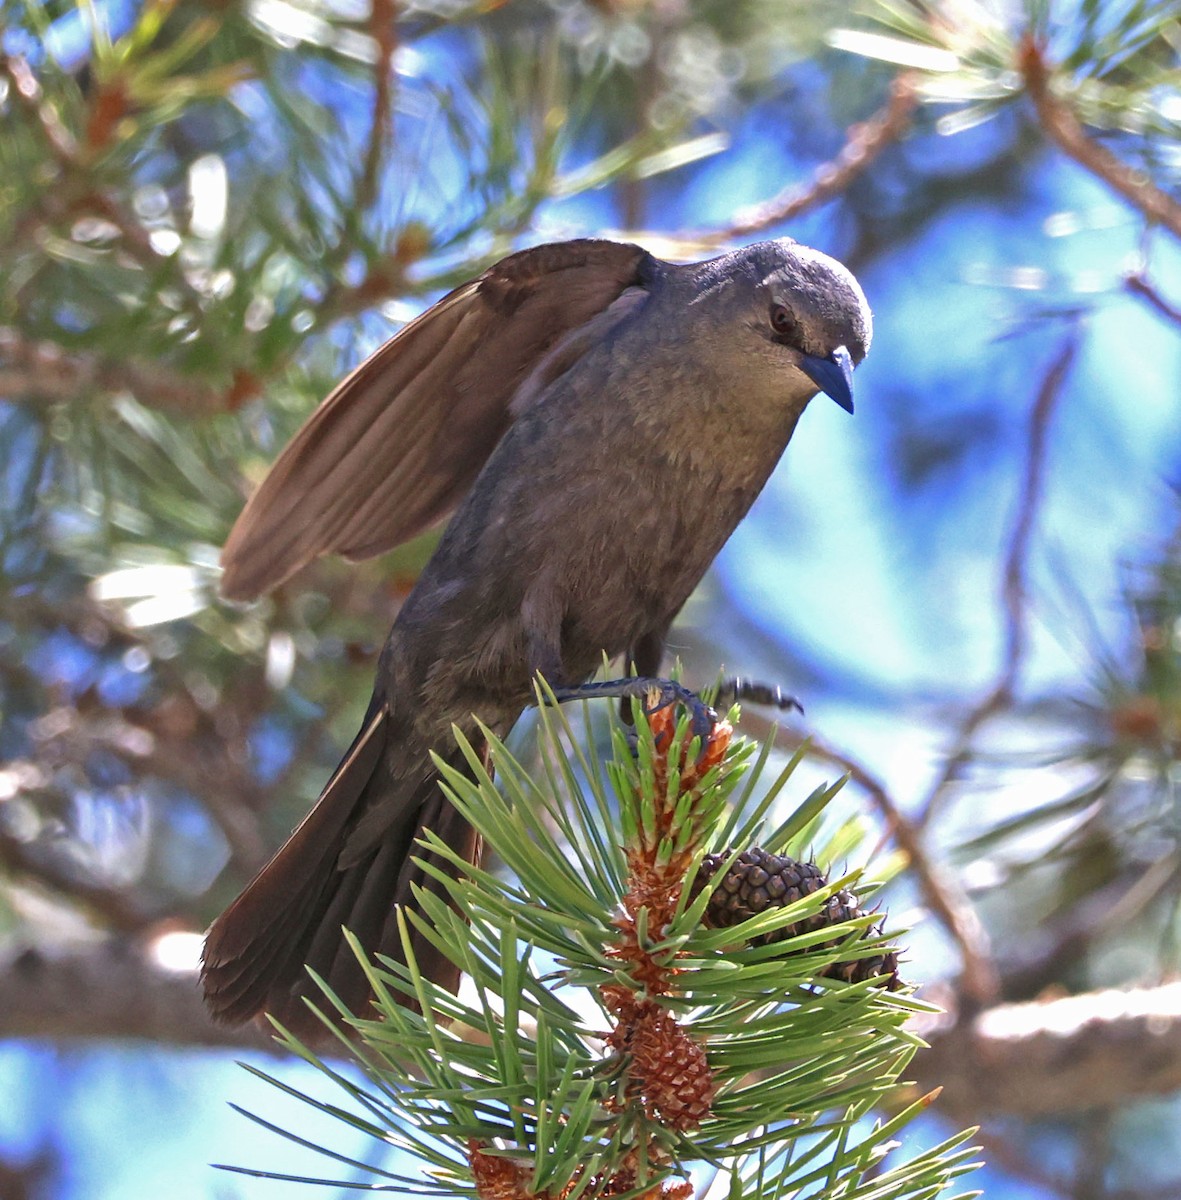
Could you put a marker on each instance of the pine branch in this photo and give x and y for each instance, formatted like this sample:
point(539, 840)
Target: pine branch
point(27, 90)
point(672, 1029)
point(75, 189)
point(1064, 129)
point(43, 370)
point(383, 29)
point(970, 58)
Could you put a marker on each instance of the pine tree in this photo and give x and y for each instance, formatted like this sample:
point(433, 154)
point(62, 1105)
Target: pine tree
point(210, 209)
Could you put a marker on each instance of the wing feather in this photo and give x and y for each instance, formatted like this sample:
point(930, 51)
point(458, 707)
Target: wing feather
point(399, 441)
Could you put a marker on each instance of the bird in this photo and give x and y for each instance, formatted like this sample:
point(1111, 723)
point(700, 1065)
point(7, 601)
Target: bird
point(596, 421)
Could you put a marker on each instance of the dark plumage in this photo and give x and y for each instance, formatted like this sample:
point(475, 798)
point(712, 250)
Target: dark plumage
point(602, 420)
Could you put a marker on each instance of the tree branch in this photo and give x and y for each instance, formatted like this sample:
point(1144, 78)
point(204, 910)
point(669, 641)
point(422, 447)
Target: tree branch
point(1013, 580)
point(1065, 130)
point(1053, 1057)
point(863, 143)
point(1037, 1059)
point(110, 990)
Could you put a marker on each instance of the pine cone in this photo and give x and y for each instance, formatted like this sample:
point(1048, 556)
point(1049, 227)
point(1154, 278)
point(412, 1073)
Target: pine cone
point(497, 1177)
point(671, 1071)
point(758, 880)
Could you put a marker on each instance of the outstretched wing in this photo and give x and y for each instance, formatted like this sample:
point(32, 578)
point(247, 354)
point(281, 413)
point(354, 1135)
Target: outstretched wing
point(397, 444)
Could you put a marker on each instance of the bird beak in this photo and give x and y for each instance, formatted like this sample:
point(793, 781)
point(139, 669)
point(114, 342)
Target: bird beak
point(832, 375)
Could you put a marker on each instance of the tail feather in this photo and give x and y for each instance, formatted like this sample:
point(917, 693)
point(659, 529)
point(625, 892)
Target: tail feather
point(236, 987)
point(291, 914)
point(441, 818)
point(366, 890)
point(266, 903)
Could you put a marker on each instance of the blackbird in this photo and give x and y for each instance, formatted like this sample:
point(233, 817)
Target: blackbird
point(598, 421)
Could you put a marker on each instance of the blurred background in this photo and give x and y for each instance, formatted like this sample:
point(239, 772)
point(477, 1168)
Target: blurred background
point(211, 209)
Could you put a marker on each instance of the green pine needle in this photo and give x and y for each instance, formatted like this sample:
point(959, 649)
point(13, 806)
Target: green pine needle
point(799, 1061)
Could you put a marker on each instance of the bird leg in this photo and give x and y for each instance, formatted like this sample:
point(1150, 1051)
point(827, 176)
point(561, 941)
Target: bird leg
point(643, 660)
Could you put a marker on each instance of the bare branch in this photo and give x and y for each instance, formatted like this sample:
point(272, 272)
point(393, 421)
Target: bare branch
point(1013, 579)
point(110, 990)
point(1138, 283)
point(863, 143)
point(1071, 1055)
point(1057, 1057)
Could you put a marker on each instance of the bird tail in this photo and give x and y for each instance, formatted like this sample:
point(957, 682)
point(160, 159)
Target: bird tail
point(292, 912)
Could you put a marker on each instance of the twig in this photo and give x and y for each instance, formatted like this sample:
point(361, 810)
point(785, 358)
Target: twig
point(43, 369)
point(1138, 283)
point(863, 143)
point(117, 909)
point(1014, 595)
point(383, 29)
point(1065, 130)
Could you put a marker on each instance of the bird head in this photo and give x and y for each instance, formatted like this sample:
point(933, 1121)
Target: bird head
point(799, 309)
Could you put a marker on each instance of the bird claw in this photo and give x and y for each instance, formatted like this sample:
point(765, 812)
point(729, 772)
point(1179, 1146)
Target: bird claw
point(754, 691)
point(655, 695)
point(702, 718)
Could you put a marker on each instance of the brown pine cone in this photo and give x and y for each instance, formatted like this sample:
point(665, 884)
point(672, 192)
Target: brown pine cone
point(671, 1070)
point(758, 880)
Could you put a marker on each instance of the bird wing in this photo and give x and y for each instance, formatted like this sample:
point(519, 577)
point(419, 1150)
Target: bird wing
point(398, 443)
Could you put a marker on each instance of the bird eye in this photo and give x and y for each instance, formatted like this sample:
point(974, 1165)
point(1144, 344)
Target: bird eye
point(783, 321)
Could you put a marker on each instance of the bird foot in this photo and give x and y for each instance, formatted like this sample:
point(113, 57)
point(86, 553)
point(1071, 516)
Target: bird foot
point(657, 694)
point(769, 695)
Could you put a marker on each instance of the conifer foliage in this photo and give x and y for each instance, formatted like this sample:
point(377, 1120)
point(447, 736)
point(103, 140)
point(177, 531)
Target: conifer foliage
point(613, 1042)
